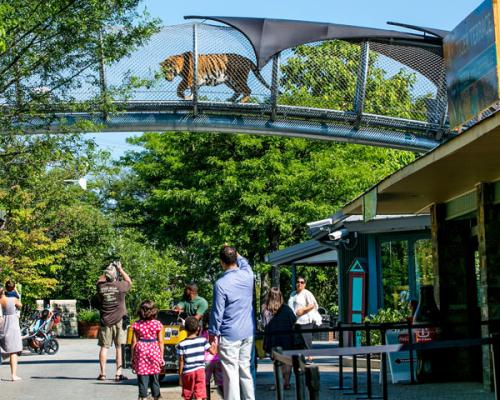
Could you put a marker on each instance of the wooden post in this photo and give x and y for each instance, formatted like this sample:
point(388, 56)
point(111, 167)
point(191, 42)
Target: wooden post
point(313, 382)
point(278, 376)
point(298, 365)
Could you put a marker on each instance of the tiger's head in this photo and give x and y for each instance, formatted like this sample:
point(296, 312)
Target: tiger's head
point(172, 66)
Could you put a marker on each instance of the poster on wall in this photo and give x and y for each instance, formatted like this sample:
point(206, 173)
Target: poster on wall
point(472, 68)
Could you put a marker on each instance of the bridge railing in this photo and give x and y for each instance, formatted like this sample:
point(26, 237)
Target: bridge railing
point(359, 83)
point(353, 85)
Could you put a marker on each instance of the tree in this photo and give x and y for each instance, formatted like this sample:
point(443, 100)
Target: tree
point(53, 47)
point(31, 190)
point(90, 236)
point(49, 49)
point(197, 191)
point(155, 273)
point(324, 76)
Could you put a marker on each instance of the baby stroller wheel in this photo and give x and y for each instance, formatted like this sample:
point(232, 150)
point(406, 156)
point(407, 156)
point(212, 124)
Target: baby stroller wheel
point(51, 346)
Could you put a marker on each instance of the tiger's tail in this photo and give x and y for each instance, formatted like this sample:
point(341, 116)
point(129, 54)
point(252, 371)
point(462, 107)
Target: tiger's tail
point(257, 74)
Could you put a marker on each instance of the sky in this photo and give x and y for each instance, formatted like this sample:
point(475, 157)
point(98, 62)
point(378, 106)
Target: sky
point(441, 14)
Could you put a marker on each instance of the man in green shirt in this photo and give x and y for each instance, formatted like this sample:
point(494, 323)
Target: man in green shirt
point(192, 304)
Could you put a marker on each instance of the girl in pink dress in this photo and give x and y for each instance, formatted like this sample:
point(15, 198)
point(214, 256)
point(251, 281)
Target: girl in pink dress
point(213, 366)
point(147, 350)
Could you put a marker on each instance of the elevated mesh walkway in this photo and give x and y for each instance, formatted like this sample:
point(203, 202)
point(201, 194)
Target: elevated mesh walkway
point(375, 87)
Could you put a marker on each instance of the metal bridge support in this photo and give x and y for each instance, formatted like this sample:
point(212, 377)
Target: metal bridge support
point(275, 86)
point(102, 80)
point(194, 89)
point(359, 97)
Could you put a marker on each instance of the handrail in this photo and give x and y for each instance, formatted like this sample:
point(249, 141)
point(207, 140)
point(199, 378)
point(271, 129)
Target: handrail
point(296, 358)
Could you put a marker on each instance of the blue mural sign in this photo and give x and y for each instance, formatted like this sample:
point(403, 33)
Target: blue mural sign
point(471, 58)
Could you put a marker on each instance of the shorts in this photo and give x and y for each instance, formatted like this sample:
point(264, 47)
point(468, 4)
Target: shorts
point(112, 334)
point(193, 385)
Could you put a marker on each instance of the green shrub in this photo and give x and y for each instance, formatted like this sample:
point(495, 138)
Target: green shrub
point(385, 315)
point(88, 315)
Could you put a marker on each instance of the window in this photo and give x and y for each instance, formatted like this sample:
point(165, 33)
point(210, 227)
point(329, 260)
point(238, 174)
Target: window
point(395, 276)
point(423, 263)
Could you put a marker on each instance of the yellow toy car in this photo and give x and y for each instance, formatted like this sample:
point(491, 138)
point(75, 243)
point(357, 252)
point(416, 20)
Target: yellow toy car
point(173, 332)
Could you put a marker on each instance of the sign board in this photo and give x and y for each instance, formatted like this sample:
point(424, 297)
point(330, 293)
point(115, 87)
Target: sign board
point(68, 327)
point(472, 66)
point(370, 205)
point(399, 362)
point(357, 277)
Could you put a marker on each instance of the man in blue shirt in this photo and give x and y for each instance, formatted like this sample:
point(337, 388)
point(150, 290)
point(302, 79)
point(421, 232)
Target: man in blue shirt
point(232, 320)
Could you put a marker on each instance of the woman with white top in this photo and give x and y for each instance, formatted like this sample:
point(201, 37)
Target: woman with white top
point(302, 302)
point(10, 333)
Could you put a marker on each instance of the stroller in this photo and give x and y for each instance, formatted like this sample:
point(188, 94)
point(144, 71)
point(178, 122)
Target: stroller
point(38, 336)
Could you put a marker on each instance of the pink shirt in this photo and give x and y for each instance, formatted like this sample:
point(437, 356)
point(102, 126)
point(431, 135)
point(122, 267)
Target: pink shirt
point(209, 356)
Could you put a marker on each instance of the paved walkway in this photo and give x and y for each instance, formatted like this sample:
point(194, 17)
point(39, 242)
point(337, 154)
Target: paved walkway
point(71, 374)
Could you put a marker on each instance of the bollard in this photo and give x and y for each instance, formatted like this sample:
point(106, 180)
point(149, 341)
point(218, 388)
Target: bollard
point(298, 364)
point(278, 376)
point(341, 361)
point(495, 355)
point(312, 382)
point(410, 343)
point(354, 374)
point(385, 395)
point(369, 394)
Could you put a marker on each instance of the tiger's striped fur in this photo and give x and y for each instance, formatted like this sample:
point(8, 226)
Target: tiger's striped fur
point(213, 69)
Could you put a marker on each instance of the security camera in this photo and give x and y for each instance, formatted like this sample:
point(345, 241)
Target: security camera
point(320, 224)
point(337, 235)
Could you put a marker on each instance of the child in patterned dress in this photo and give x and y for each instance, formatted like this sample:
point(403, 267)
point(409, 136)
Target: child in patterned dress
point(147, 350)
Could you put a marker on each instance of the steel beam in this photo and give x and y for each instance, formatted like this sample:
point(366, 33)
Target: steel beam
point(227, 123)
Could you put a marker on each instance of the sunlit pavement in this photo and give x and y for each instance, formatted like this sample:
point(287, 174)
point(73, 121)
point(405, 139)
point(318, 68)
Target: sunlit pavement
point(71, 374)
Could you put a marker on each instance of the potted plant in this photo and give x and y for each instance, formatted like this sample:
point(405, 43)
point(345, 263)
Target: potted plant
point(88, 323)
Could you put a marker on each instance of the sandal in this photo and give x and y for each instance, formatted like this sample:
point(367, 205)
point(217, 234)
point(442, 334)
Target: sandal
point(119, 378)
point(272, 387)
point(101, 377)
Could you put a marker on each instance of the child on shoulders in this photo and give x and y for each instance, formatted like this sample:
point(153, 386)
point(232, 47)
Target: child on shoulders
point(10, 290)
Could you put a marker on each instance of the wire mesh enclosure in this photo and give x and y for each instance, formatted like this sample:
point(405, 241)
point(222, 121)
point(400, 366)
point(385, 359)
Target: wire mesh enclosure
point(208, 69)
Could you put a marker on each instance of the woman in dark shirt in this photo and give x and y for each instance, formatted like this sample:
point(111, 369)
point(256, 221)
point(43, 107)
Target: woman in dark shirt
point(279, 320)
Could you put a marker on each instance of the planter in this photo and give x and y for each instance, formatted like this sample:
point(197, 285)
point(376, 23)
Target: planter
point(89, 330)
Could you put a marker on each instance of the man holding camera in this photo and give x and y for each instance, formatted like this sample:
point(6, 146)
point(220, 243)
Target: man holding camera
point(111, 292)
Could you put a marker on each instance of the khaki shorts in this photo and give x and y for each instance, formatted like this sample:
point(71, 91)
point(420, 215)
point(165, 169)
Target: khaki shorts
point(112, 334)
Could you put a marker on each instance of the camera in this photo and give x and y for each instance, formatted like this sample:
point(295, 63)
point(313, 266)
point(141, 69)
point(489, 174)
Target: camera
point(337, 235)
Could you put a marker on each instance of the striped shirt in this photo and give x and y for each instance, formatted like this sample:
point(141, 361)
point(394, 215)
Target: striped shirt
point(193, 351)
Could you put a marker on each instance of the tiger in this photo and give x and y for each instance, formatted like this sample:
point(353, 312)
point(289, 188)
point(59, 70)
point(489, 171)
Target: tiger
point(213, 69)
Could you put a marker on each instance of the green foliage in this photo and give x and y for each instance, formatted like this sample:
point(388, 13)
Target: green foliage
point(399, 314)
point(394, 261)
point(156, 275)
point(91, 235)
point(57, 239)
point(423, 259)
point(54, 46)
point(88, 315)
point(197, 191)
point(324, 76)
